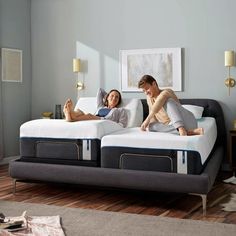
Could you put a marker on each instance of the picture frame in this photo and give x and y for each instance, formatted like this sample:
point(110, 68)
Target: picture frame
point(164, 64)
point(11, 65)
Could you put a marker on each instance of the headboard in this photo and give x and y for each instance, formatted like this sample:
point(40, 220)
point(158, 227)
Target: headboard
point(212, 108)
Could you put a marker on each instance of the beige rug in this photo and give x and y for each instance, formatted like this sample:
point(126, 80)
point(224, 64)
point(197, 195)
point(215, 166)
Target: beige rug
point(84, 222)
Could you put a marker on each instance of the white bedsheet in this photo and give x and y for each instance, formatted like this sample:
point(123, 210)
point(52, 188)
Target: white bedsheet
point(134, 137)
point(52, 128)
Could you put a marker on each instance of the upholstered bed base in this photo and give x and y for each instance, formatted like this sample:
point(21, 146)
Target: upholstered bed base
point(120, 178)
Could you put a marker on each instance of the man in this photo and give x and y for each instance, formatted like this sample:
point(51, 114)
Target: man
point(165, 111)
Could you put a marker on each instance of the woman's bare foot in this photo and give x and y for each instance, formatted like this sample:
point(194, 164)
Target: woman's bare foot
point(67, 115)
point(197, 131)
point(182, 131)
point(70, 104)
point(67, 111)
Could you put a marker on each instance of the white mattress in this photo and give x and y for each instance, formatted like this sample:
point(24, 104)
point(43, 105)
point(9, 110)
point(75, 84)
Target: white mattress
point(135, 138)
point(52, 128)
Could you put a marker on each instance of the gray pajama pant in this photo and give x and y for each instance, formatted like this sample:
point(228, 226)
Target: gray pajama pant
point(178, 115)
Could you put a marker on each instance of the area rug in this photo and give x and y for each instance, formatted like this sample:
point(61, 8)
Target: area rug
point(86, 222)
point(230, 205)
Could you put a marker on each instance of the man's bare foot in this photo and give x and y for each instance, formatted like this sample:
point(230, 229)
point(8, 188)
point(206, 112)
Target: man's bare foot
point(197, 131)
point(182, 131)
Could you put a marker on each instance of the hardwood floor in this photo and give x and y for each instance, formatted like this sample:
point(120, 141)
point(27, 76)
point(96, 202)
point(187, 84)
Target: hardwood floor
point(149, 203)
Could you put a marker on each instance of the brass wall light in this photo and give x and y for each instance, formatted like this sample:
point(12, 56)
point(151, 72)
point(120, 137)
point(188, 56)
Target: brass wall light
point(77, 69)
point(229, 62)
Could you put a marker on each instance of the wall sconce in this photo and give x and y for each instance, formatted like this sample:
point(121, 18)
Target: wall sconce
point(76, 65)
point(229, 62)
point(77, 69)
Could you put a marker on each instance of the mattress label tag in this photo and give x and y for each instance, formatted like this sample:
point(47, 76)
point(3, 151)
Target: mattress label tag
point(182, 162)
point(86, 155)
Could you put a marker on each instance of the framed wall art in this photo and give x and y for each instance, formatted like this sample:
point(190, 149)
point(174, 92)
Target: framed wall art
point(164, 64)
point(11, 65)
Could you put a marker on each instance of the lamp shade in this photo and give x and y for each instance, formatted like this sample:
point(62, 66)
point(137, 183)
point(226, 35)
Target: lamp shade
point(76, 65)
point(229, 58)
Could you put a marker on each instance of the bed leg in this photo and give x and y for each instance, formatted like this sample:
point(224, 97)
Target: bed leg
point(14, 186)
point(204, 202)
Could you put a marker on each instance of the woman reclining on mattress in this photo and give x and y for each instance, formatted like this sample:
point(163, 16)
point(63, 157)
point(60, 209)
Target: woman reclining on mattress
point(107, 104)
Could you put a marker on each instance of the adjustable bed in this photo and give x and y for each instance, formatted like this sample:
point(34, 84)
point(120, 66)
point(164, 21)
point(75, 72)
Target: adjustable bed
point(126, 163)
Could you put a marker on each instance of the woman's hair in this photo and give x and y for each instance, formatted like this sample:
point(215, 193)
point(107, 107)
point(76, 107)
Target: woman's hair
point(146, 79)
point(113, 90)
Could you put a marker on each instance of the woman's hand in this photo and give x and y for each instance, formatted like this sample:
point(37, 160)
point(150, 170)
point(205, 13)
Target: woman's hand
point(145, 124)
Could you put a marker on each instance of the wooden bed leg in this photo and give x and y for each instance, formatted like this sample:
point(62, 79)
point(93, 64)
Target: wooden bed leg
point(14, 186)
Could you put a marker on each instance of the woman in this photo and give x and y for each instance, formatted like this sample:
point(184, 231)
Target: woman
point(107, 105)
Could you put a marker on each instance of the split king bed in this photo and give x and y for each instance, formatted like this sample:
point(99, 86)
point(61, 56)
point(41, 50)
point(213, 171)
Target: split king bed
point(101, 153)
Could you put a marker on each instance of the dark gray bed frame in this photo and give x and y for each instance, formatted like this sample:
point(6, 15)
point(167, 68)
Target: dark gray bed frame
point(135, 179)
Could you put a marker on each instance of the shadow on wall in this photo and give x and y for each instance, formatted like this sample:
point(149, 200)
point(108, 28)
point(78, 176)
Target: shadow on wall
point(97, 69)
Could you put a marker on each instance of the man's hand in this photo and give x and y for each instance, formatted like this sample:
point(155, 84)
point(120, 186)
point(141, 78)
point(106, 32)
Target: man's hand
point(145, 124)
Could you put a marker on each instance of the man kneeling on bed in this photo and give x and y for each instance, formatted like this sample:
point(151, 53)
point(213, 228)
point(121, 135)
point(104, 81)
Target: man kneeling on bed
point(166, 114)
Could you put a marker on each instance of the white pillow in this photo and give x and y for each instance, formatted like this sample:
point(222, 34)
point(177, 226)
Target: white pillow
point(133, 107)
point(87, 104)
point(196, 110)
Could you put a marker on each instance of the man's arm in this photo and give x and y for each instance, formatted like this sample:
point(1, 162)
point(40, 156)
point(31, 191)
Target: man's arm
point(161, 100)
point(156, 107)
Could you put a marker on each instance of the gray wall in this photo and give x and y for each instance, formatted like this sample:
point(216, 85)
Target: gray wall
point(203, 28)
point(16, 97)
